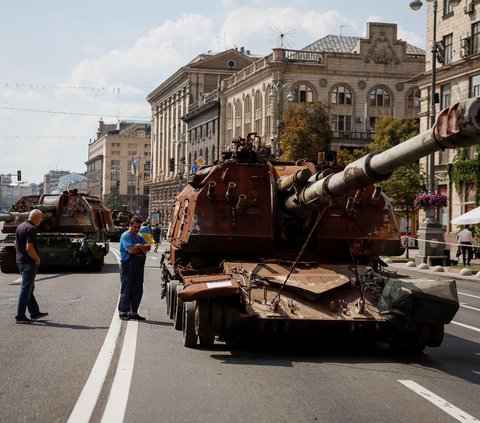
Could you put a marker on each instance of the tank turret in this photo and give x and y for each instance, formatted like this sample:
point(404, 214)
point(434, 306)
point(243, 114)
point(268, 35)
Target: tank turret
point(264, 246)
point(73, 231)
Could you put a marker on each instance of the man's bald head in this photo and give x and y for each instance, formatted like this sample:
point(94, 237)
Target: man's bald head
point(35, 217)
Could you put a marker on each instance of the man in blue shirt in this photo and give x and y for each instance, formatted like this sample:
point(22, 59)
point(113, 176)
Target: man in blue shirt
point(133, 250)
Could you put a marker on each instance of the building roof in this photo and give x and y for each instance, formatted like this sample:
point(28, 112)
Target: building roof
point(347, 44)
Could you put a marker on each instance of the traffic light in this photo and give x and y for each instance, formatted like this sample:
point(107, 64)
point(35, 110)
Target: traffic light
point(19, 175)
point(171, 165)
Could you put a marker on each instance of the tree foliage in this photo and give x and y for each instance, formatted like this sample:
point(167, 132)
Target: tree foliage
point(306, 131)
point(111, 199)
point(407, 181)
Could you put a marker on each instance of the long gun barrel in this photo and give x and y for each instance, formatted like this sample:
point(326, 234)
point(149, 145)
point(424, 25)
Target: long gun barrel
point(48, 211)
point(458, 126)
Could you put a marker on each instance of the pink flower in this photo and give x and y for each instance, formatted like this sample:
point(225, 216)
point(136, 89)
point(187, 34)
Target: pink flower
point(425, 201)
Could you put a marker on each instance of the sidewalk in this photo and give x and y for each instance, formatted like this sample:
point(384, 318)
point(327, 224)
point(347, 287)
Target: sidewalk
point(448, 271)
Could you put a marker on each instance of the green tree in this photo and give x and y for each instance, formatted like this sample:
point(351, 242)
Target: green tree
point(110, 199)
point(306, 131)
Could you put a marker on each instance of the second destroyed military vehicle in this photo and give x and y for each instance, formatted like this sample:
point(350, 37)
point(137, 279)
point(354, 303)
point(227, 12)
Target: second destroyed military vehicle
point(73, 232)
point(121, 221)
point(260, 247)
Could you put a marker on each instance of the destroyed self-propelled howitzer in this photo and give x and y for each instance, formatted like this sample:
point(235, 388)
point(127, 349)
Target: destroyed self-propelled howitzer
point(269, 248)
point(73, 232)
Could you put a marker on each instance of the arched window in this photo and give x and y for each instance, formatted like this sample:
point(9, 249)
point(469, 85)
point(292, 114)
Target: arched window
point(238, 118)
point(303, 93)
point(229, 116)
point(341, 95)
point(380, 97)
point(412, 105)
point(213, 154)
point(257, 106)
point(206, 156)
point(247, 127)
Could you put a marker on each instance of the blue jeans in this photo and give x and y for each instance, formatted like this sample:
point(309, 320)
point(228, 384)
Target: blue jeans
point(131, 277)
point(26, 299)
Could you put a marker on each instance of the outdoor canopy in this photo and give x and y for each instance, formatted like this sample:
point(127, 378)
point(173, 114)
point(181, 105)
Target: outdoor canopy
point(470, 218)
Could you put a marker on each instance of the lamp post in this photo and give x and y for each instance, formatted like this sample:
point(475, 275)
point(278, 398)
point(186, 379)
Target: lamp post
point(276, 92)
point(432, 230)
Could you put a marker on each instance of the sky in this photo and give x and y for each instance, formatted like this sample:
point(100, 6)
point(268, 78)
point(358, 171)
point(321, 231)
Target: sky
point(67, 64)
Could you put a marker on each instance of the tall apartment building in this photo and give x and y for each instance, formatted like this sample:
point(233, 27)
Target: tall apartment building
point(172, 137)
point(119, 158)
point(457, 78)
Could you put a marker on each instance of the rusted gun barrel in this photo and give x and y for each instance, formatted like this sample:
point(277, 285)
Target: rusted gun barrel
point(47, 209)
point(458, 126)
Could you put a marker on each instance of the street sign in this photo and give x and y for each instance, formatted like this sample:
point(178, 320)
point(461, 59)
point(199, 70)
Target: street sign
point(200, 161)
point(194, 169)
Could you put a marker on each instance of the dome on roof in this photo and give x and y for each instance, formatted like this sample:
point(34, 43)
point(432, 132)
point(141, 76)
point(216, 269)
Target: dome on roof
point(72, 178)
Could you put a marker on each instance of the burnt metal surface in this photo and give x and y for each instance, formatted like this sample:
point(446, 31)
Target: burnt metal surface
point(301, 242)
point(74, 230)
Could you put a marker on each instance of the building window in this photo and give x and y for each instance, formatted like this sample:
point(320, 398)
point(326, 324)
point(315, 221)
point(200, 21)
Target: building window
point(446, 92)
point(258, 111)
point(475, 86)
point(303, 93)
point(341, 95)
point(131, 189)
point(447, 7)
point(469, 192)
point(380, 97)
point(341, 123)
point(206, 156)
point(448, 52)
point(413, 99)
point(476, 38)
point(238, 118)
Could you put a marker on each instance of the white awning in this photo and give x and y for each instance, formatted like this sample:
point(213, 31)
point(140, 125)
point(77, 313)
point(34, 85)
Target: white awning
point(470, 218)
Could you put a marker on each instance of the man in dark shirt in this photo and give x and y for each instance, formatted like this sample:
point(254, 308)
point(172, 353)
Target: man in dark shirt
point(28, 262)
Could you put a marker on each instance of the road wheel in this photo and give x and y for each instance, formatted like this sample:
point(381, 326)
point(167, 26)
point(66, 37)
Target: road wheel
point(411, 343)
point(188, 324)
point(173, 297)
point(436, 336)
point(203, 324)
point(167, 300)
point(178, 315)
point(8, 262)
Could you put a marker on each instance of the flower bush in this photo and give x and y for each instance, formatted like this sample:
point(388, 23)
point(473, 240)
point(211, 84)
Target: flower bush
point(425, 201)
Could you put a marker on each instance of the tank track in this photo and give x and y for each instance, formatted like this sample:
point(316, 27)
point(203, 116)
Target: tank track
point(8, 260)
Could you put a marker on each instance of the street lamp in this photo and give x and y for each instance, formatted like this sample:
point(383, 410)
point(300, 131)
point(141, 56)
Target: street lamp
point(432, 228)
point(275, 92)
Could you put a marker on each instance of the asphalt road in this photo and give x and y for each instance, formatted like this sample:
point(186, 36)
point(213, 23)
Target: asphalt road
point(151, 377)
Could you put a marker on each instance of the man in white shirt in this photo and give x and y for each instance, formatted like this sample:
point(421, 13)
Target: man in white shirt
point(465, 238)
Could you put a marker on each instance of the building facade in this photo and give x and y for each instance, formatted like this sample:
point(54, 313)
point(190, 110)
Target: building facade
point(176, 142)
point(358, 79)
point(119, 162)
point(457, 78)
point(50, 180)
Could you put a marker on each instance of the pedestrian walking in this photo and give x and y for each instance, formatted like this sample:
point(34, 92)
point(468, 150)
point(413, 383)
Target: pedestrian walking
point(156, 237)
point(465, 239)
point(133, 250)
point(28, 261)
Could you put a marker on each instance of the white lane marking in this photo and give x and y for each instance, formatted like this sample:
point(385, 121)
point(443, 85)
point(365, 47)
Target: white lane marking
point(469, 295)
point(445, 406)
point(118, 398)
point(465, 326)
point(88, 398)
point(469, 307)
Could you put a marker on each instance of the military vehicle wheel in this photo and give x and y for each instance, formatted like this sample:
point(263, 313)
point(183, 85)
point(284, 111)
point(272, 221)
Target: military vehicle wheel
point(203, 317)
point(167, 299)
point(410, 342)
point(436, 337)
point(8, 262)
point(178, 314)
point(173, 297)
point(188, 324)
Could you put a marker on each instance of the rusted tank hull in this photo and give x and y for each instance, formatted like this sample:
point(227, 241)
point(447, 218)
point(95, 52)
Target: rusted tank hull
point(249, 300)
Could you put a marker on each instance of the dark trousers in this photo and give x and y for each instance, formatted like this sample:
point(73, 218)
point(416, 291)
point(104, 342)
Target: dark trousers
point(131, 278)
point(26, 299)
point(466, 252)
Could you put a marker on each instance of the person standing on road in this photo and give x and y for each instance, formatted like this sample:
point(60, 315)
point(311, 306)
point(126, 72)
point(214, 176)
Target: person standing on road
point(133, 250)
point(28, 261)
point(156, 237)
point(465, 239)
